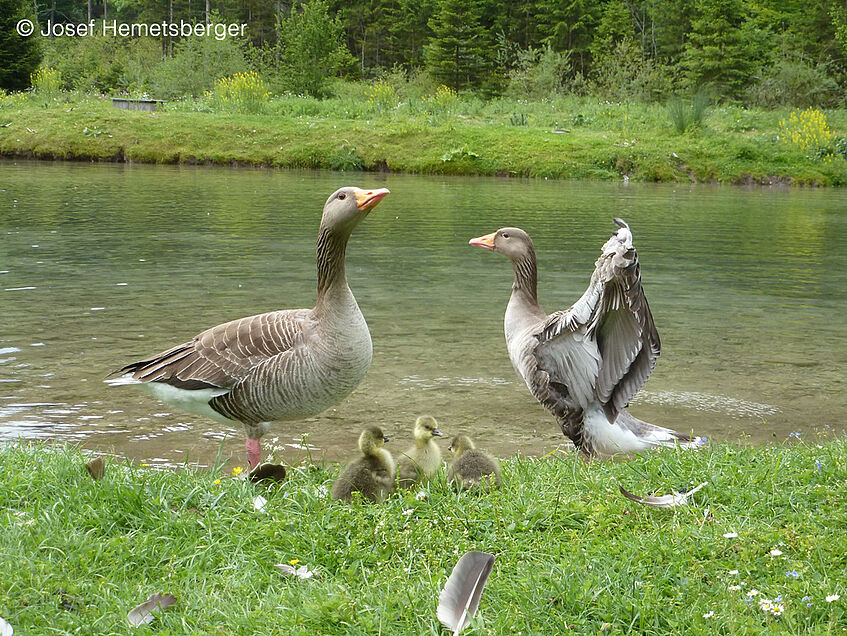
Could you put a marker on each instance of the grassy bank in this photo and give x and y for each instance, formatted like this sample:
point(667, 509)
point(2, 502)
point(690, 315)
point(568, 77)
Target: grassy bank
point(560, 138)
point(77, 554)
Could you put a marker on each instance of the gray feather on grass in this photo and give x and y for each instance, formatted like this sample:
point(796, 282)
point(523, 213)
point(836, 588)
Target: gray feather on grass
point(459, 599)
point(663, 501)
point(145, 613)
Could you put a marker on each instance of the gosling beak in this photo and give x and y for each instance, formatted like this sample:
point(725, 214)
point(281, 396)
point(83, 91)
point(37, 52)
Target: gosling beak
point(437, 433)
point(485, 242)
point(368, 199)
point(385, 438)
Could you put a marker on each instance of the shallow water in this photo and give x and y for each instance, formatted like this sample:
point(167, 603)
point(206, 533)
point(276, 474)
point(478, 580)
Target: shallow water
point(103, 264)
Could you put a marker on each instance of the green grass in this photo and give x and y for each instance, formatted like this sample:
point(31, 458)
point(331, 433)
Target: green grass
point(503, 137)
point(76, 554)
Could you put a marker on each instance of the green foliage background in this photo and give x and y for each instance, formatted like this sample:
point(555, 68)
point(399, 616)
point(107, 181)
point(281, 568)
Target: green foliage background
point(757, 52)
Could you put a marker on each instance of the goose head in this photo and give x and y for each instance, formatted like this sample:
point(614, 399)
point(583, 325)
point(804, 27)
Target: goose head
point(347, 206)
point(426, 428)
point(371, 440)
point(460, 444)
point(512, 242)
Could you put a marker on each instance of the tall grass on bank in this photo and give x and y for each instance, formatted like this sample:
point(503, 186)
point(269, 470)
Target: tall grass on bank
point(687, 114)
point(572, 553)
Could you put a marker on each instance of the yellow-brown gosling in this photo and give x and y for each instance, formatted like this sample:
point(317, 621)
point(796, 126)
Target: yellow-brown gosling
point(422, 460)
point(471, 467)
point(372, 474)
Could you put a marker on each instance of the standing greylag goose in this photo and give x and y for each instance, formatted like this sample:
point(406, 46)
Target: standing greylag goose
point(281, 365)
point(372, 474)
point(586, 363)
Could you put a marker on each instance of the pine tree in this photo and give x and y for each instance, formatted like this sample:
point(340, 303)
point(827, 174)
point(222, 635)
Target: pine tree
point(720, 54)
point(460, 50)
point(19, 56)
point(408, 31)
point(567, 25)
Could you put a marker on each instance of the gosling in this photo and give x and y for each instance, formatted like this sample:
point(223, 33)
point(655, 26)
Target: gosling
point(421, 461)
point(472, 467)
point(372, 474)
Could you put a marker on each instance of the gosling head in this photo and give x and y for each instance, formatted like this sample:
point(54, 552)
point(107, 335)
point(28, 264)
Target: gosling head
point(371, 440)
point(512, 242)
point(347, 206)
point(426, 428)
point(460, 444)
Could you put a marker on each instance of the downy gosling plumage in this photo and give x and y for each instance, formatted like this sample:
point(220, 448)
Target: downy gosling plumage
point(422, 460)
point(372, 474)
point(471, 467)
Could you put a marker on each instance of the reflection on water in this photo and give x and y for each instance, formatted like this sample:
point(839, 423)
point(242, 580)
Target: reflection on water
point(104, 264)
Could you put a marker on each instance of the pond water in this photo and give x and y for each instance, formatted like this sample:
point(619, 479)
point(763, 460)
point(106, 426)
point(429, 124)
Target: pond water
point(103, 264)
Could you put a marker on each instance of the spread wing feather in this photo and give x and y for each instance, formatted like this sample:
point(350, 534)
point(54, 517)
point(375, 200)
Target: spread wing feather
point(605, 346)
point(221, 356)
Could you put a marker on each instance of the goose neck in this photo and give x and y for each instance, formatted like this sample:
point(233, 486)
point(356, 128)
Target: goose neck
point(332, 276)
point(526, 278)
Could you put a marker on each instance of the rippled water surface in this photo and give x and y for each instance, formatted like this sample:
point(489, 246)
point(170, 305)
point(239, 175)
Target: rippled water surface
point(103, 264)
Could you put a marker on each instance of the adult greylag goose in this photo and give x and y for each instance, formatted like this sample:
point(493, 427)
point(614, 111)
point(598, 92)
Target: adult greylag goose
point(584, 364)
point(282, 365)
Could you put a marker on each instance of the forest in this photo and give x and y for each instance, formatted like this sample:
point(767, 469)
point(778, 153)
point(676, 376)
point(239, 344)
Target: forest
point(764, 53)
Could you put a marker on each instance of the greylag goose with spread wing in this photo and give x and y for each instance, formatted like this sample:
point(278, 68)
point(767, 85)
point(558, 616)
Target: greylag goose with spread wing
point(584, 364)
point(281, 365)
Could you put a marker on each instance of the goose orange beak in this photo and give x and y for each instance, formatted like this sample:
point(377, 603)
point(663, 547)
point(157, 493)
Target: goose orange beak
point(367, 199)
point(485, 242)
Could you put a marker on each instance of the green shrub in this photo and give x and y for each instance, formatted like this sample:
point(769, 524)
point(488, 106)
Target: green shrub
point(104, 64)
point(196, 64)
point(623, 73)
point(794, 83)
point(539, 73)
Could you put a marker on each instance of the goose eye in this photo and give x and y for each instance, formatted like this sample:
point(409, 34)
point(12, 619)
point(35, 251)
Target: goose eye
point(341, 196)
point(505, 235)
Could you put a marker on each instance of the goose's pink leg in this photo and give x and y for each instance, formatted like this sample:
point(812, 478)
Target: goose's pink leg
point(254, 452)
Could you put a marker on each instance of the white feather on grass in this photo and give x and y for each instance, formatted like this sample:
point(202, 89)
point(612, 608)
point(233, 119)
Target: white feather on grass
point(663, 501)
point(459, 599)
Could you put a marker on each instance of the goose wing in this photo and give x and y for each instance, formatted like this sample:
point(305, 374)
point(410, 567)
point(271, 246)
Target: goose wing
point(605, 346)
point(221, 356)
